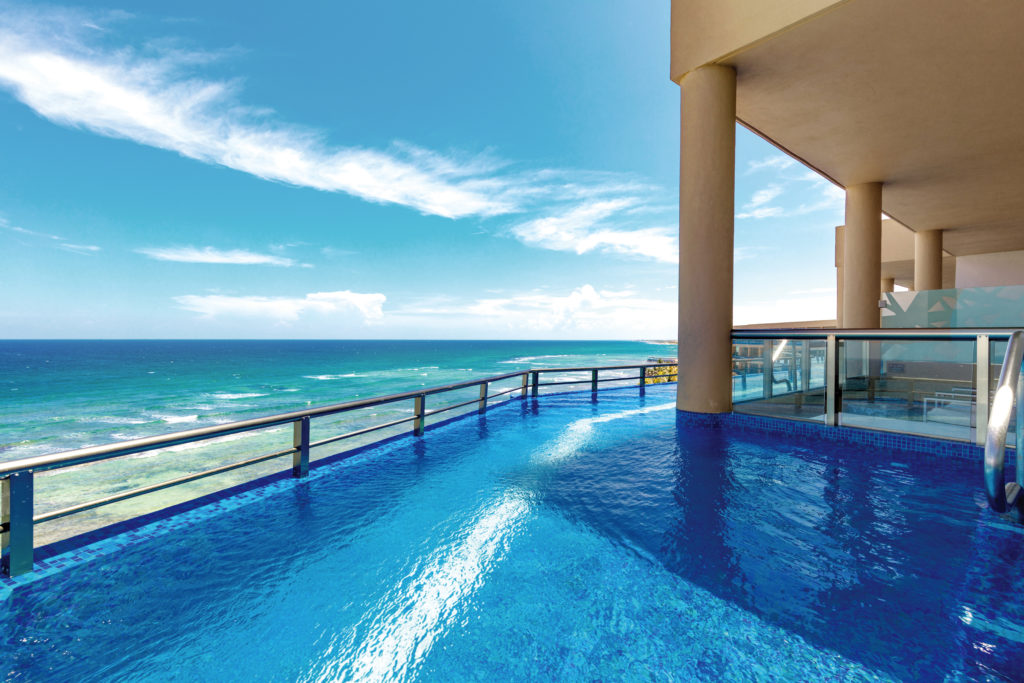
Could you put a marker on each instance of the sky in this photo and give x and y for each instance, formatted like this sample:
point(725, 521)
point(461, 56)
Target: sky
point(390, 169)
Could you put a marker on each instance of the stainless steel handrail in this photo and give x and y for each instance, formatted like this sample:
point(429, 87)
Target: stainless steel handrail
point(17, 476)
point(81, 456)
point(1002, 496)
point(936, 334)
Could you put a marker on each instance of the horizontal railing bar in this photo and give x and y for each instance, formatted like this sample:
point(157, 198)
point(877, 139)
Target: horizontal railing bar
point(118, 497)
point(628, 378)
point(602, 368)
point(447, 408)
point(502, 393)
point(571, 381)
point(359, 432)
point(934, 334)
point(89, 454)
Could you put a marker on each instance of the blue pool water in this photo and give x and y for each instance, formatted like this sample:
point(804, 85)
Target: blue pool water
point(564, 539)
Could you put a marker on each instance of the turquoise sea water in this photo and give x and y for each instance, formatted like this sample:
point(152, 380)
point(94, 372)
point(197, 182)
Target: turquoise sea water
point(59, 395)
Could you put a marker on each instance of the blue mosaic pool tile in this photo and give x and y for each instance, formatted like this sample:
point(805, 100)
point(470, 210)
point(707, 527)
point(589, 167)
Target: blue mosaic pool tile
point(111, 539)
point(797, 429)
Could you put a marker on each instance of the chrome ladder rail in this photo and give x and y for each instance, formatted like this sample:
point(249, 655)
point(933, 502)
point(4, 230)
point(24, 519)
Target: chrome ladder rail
point(1002, 496)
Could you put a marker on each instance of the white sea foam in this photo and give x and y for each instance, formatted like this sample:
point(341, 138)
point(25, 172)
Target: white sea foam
point(330, 377)
point(175, 419)
point(531, 359)
point(110, 420)
point(231, 397)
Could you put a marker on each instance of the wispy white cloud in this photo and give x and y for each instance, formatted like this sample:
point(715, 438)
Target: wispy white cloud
point(212, 255)
point(764, 195)
point(283, 309)
point(59, 62)
point(48, 62)
point(51, 240)
point(762, 212)
point(79, 248)
point(581, 229)
point(585, 310)
point(25, 231)
point(778, 162)
point(831, 197)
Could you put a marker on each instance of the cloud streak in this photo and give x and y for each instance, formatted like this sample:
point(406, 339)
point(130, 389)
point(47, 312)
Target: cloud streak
point(585, 310)
point(58, 63)
point(212, 255)
point(52, 240)
point(582, 229)
point(47, 63)
point(283, 309)
point(831, 197)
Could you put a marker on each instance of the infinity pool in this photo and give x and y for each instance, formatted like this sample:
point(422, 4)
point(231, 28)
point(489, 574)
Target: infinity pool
point(562, 538)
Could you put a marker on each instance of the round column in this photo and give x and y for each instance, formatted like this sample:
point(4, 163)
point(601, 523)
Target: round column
point(862, 255)
point(707, 161)
point(928, 260)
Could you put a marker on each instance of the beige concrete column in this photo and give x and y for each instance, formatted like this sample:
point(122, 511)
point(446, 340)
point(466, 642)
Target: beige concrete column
point(839, 276)
point(928, 260)
point(707, 164)
point(862, 255)
point(839, 296)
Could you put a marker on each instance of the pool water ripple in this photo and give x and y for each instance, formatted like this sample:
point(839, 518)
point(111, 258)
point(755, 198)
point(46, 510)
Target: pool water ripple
point(558, 539)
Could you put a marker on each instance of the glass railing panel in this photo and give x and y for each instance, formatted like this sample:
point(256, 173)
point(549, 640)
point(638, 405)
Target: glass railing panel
point(779, 378)
point(918, 387)
point(968, 307)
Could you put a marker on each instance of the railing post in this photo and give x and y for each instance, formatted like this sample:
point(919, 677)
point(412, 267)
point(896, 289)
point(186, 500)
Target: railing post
point(982, 366)
point(643, 380)
point(768, 370)
point(300, 440)
point(831, 380)
point(536, 382)
point(16, 511)
point(593, 381)
point(805, 366)
point(419, 408)
point(482, 404)
point(1018, 443)
point(526, 383)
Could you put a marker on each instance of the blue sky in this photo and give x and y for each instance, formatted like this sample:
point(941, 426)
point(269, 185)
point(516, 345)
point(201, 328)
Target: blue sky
point(368, 170)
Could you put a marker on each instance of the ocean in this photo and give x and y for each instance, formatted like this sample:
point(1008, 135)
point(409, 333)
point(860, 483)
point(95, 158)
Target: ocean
point(65, 394)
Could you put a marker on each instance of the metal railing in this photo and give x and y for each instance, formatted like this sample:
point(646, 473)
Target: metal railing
point(1002, 496)
point(991, 415)
point(18, 518)
point(980, 337)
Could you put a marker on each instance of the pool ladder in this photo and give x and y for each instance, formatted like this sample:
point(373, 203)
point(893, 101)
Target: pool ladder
point(1006, 496)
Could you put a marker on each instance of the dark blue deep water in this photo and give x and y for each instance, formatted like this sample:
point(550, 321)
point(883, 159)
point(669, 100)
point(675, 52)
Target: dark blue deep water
point(557, 539)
